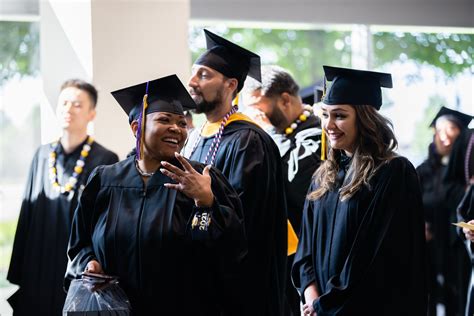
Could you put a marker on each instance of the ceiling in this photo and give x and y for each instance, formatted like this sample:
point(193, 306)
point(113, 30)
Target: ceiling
point(438, 13)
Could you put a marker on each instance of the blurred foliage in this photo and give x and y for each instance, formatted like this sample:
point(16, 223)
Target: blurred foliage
point(19, 49)
point(452, 53)
point(303, 52)
point(7, 233)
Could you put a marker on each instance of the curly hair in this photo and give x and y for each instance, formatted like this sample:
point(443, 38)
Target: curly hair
point(375, 145)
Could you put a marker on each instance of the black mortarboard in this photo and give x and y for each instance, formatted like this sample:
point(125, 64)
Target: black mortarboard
point(311, 94)
point(166, 94)
point(229, 59)
point(459, 118)
point(355, 87)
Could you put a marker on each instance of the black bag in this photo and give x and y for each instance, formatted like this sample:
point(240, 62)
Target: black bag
point(96, 295)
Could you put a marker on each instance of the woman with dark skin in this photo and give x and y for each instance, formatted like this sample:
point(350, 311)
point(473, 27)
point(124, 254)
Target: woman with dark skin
point(169, 228)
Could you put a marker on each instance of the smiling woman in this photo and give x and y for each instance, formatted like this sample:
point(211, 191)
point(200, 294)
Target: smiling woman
point(171, 131)
point(361, 249)
point(159, 222)
point(340, 125)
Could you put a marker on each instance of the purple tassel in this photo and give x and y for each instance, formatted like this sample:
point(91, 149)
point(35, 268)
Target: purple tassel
point(140, 122)
point(139, 136)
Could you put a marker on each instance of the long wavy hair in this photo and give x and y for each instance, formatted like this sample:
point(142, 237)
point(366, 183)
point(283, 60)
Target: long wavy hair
point(375, 145)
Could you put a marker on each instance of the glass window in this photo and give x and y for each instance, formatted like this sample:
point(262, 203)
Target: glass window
point(20, 90)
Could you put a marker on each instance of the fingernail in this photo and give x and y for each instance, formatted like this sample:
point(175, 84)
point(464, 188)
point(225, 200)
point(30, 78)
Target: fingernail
point(162, 170)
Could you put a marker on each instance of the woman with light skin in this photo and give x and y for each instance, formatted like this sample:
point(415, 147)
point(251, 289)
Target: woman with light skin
point(361, 250)
point(170, 229)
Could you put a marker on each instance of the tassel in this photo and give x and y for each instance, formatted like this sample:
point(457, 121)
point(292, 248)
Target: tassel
point(323, 132)
point(323, 144)
point(141, 126)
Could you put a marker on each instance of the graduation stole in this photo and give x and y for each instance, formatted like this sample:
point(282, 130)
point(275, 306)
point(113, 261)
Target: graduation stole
point(292, 239)
point(217, 129)
point(210, 129)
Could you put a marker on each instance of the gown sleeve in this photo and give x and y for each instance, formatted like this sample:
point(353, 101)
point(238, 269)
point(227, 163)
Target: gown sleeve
point(21, 235)
point(465, 211)
point(254, 170)
point(389, 244)
point(302, 272)
point(223, 222)
point(80, 250)
point(247, 160)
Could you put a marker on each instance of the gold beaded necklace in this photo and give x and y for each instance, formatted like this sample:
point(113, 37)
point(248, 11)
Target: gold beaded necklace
point(53, 172)
point(301, 118)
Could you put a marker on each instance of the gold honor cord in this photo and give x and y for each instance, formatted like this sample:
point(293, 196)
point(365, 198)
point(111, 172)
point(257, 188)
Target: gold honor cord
point(142, 127)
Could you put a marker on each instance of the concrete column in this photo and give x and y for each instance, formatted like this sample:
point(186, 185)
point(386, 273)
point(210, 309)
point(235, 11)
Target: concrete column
point(361, 46)
point(113, 44)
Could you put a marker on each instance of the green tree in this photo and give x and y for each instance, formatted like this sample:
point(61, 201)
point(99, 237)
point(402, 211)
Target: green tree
point(19, 49)
point(302, 52)
point(452, 53)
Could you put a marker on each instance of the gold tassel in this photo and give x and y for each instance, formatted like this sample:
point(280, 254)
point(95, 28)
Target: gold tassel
point(323, 144)
point(323, 132)
point(142, 138)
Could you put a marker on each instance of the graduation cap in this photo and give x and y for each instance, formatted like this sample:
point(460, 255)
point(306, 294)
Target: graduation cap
point(229, 59)
point(355, 87)
point(166, 94)
point(311, 94)
point(461, 119)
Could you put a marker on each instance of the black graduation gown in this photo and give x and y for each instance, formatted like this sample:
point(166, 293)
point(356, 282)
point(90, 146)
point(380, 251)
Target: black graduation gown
point(301, 156)
point(443, 187)
point(143, 235)
point(249, 158)
point(466, 213)
point(39, 257)
point(366, 254)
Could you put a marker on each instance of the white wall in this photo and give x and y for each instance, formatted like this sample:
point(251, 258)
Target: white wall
point(118, 43)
